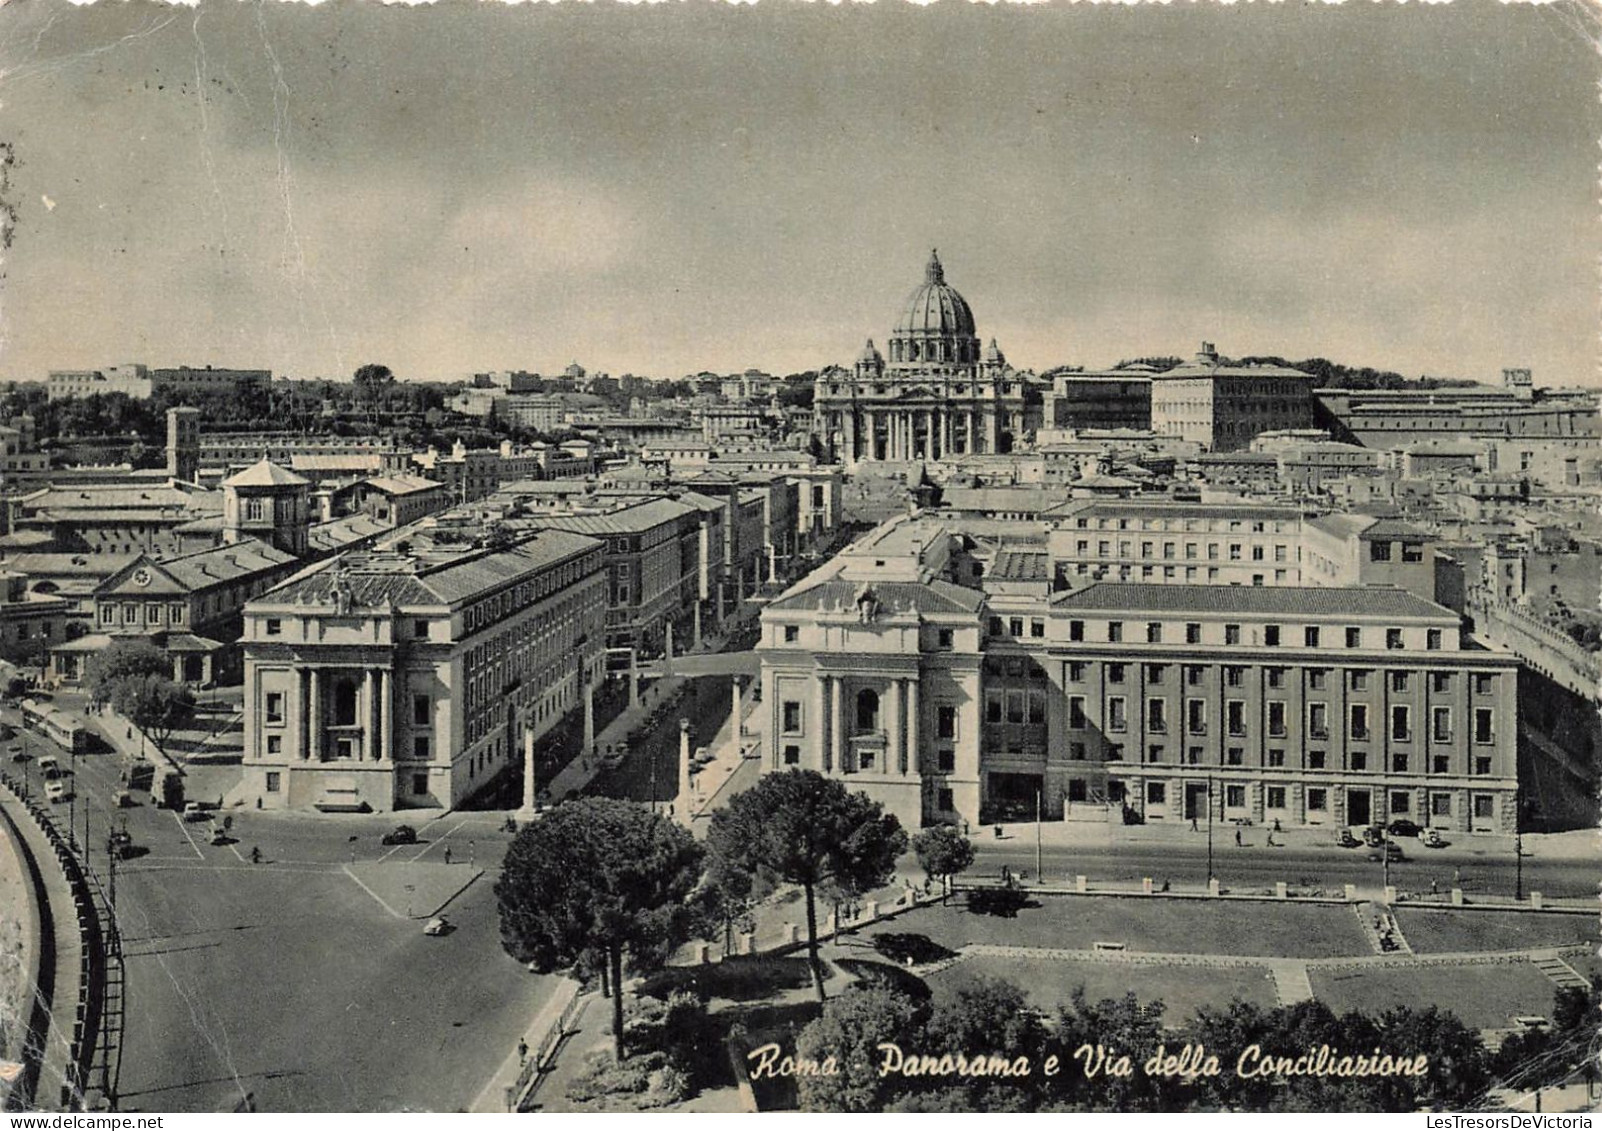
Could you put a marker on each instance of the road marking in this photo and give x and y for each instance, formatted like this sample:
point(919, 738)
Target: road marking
point(265, 870)
point(234, 848)
point(185, 830)
point(430, 845)
point(380, 899)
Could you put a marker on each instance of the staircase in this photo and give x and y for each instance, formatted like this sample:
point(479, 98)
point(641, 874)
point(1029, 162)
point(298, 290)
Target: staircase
point(1562, 974)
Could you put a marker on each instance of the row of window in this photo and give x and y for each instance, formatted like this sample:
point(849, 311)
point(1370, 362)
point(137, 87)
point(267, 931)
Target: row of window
point(154, 611)
point(1196, 525)
point(1236, 551)
point(1235, 675)
point(1116, 719)
point(1480, 765)
point(1272, 635)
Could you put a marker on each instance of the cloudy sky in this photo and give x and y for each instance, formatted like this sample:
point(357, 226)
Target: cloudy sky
point(669, 188)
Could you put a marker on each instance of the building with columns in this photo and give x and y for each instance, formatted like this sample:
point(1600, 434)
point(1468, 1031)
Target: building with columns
point(935, 396)
point(951, 689)
point(394, 680)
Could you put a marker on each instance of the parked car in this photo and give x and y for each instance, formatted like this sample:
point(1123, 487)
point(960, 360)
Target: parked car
point(1403, 827)
point(437, 926)
point(194, 811)
point(49, 767)
point(123, 799)
point(56, 790)
point(1347, 840)
point(18, 754)
point(219, 835)
point(400, 834)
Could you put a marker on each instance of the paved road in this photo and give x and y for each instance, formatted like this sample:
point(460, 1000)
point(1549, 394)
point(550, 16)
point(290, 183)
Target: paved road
point(1259, 866)
point(706, 705)
point(287, 980)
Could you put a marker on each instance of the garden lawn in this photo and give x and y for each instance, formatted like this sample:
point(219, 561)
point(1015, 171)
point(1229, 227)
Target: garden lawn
point(1151, 924)
point(1446, 932)
point(1483, 997)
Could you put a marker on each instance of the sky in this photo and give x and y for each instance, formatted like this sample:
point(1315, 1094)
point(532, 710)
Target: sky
point(670, 188)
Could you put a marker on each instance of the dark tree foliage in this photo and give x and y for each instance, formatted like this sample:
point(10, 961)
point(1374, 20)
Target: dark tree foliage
point(943, 853)
point(138, 659)
point(803, 828)
point(598, 879)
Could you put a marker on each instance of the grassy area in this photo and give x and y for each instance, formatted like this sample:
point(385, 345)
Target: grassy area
point(1151, 924)
point(1483, 997)
point(1445, 932)
point(1050, 983)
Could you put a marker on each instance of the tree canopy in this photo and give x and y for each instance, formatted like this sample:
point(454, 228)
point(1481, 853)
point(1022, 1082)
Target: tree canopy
point(800, 827)
point(943, 852)
point(123, 658)
point(598, 879)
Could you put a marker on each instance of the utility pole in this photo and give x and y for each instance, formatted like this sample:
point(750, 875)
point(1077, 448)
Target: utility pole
point(1040, 877)
point(1209, 830)
point(1518, 864)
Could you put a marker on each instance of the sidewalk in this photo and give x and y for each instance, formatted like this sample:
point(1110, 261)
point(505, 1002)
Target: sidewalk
point(59, 944)
point(1581, 844)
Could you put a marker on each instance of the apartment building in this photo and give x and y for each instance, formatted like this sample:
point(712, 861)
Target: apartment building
point(389, 680)
point(1175, 543)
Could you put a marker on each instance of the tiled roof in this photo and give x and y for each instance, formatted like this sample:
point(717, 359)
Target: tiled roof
point(1022, 498)
point(634, 519)
point(1021, 565)
point(378, 580)
point(940, 598)
point(403, 484)
point(344, 531)
point(265, 473)
point(225, 563)
point(120, 497)
point(1355, 601)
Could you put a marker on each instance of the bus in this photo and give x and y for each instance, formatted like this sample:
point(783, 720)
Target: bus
point(55, 724)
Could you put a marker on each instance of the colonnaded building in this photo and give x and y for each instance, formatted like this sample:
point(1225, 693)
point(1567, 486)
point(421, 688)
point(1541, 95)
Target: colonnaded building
point(952, 681)
point(937, 395)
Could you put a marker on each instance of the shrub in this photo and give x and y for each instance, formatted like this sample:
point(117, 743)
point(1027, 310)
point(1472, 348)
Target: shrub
point(919, 949)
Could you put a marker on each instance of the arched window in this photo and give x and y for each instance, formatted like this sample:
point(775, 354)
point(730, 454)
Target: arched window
point(867, 710)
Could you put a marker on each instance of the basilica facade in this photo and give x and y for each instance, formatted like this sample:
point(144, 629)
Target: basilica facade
point(933, 395)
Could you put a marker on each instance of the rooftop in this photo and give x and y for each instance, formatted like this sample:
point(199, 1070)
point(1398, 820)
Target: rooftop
point(265, 473)
point(894, 597)
point(1367, 602)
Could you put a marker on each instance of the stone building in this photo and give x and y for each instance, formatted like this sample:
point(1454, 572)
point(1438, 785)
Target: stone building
point(390, 680)
point(1224, 406)
point(934, 395)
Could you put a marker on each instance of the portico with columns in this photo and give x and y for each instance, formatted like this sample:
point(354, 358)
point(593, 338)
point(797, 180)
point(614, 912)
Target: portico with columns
point(879, 688)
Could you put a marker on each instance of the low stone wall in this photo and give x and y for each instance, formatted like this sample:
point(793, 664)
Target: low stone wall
point(23, 941)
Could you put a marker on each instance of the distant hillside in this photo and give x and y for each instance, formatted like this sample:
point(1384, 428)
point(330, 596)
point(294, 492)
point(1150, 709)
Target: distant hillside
point(1330, 374)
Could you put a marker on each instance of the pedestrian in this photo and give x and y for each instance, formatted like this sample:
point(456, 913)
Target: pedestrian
point(1435, 886)
point(1238, 842)
point(1276, 825)
point(255, 854)
point(1457, 877)
point(1193, 827)
point(522, 1051)
point(447, 854)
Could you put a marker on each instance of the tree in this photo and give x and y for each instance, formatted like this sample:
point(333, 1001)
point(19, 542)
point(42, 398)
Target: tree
point(800, 827)
point(598, 875)
point(850, 1030)
point(943, 852)
point(138, 658)
point(371, 382)
point(156, 705)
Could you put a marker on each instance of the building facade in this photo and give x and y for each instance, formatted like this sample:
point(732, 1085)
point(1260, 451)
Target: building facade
point(935, 396)
point(389, 681)
point(1223, 407)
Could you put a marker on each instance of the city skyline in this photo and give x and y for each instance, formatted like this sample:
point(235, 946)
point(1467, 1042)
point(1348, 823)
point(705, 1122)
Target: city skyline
point(313, 189)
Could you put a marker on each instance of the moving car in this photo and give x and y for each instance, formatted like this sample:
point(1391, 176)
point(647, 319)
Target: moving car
point(56, 790)
point(194, 811)
point(18, 754)
point(1391, 851)
point(1347, 840)
point(219, 835)
point(1432, 838)
point(120, 845)
point(400, 834)
point(437, 926)
point(49, 767)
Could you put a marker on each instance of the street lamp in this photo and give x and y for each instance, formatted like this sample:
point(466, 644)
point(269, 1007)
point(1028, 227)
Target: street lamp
point(1209, 830)
point(1518, 864)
